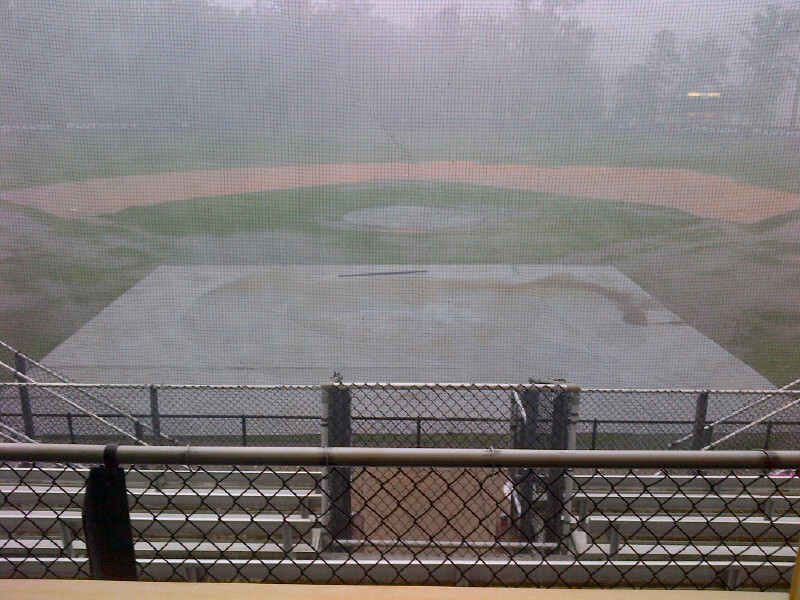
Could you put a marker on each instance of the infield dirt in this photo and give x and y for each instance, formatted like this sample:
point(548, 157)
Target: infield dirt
point(699, 194)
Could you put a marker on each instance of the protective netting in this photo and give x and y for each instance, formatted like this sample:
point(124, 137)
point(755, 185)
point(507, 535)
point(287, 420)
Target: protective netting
point(401, 416)
point(703, 529)
point(252, 192)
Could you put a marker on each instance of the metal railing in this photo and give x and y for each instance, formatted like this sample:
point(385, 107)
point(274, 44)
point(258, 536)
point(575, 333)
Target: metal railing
point(397, 515)
point(751, 408)
point(25, 370)
point(265, 429)
point(404, 415)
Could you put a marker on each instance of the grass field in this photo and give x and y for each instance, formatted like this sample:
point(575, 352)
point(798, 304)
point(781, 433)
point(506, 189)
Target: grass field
point(738, 284)
point(43, 158)
point(711, 274)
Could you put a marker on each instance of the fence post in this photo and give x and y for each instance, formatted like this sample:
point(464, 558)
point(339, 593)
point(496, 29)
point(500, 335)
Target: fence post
point(594, 435)
point(324, 508)
point(419, 432)
point(70, 429)
point(107, 523)
point(768, 435)
point(155, 416)
point(562, 436)
point(337, 428)
point(525, 480)
point(24, 397)
point(572, 443)
point(794, 589)
point(244, 431)
point(138, 430)
point(700, 414)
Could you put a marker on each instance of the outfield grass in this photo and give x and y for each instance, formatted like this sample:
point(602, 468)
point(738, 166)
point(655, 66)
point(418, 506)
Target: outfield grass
point(44, 158)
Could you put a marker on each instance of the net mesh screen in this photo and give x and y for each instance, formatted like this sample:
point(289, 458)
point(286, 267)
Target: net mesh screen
point(244, 192)
point(710, 529)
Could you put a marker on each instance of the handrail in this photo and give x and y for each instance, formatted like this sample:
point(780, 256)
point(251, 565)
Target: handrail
point(256, 416)
point(9, 433)
point(401, 457)
point(63, 381)
point(398, 386)
point(752, 424)
point(316, 386)
point(28, 381)
point(742, 409)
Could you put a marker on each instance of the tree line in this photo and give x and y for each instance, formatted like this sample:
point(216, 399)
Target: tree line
point(343, 64)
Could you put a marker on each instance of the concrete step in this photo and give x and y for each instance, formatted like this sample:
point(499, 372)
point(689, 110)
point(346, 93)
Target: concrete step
point(678, 551)
point(203, 478)
point(20, 547)
point(683, 501)
point(434, 570)
point(240, 526)
point(693, 527)
point(247, 499)
point(686, 482)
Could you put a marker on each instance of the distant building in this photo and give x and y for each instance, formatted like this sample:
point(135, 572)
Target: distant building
point(705, 107)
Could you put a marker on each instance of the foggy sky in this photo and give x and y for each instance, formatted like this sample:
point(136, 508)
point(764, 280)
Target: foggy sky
point(407, 63)
point(622, 27)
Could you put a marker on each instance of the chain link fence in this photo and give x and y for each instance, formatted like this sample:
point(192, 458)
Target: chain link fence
point(44, 395)
point(688, 419)
point(533, 519)
point(398, 415)
point(38, 403)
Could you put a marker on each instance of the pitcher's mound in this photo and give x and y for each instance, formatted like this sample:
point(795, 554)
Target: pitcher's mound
point(412, 219)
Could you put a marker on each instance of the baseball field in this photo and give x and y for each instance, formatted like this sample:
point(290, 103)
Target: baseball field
point(707, 224)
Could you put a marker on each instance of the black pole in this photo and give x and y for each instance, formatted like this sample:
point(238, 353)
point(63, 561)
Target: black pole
point(700, 415)
point(419, 432)
point(555, 478)
point(768, 435)
point(70, 428)
point(107, 523)
point(24, 397)
point(244, 431)
point(594, 435)
point(525, 480)
point(154, 415)
point(340, 434)
point(138, 430)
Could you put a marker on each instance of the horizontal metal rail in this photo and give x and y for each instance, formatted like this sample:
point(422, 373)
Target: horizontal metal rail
point(692, 391)
point(171, 386)
point(403, 457)
point(752, 424)
point(256, 416)
point(742, 409)
point(53, 415)
point(63, 381)
point(27, 383)
point(11, 434)
point(403, 386)
point(347, 384)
